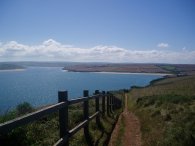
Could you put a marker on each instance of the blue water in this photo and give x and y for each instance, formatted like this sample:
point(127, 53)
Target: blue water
point(39, 86)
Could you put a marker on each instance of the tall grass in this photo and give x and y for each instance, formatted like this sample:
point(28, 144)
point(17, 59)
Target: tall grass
point(45, 132)
point(166, 110)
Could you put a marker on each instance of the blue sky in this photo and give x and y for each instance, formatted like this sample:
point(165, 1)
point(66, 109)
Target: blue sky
point(155, 31)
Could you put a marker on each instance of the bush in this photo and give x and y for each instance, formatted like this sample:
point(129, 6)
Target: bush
point(24, 108)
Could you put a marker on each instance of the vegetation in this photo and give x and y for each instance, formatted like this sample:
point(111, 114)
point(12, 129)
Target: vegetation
point(7, 66)
point(45, 131)
point(21, 109)
point(170, 68)
point(118, 141)
point(166, 110)
point(111, 67)
point(181, 69)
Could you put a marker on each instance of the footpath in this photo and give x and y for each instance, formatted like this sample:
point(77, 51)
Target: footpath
point(131, 135)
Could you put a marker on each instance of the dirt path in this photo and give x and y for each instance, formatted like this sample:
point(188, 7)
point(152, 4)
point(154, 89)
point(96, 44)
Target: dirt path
point(132, 134)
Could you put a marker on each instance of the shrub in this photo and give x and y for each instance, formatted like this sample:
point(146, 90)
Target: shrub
point(24, 108)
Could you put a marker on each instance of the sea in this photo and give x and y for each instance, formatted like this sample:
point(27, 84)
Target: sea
point(40, 85)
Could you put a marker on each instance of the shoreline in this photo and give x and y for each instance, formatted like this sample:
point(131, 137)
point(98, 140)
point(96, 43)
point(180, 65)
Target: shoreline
point(136, 73)
point(11, 70)
point(115, 72)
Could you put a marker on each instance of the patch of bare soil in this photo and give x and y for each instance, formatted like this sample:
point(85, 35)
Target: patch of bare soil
point(132, 134)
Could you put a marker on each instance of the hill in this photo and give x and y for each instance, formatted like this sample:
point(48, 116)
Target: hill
point(10, 66)
point(179, 69)
point(166, 111)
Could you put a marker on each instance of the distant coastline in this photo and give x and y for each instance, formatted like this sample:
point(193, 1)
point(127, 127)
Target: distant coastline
point(11, 67)
point(136, 73)
point(119, 69)
point(10, 70)
point(161, 69)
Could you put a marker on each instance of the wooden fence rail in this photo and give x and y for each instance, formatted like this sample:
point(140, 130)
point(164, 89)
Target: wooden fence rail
point(108, 104)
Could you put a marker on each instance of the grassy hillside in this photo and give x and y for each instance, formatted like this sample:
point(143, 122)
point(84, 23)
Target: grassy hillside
point(132, 68)
point(45, 132)
point(166, 110)
point(184, 69)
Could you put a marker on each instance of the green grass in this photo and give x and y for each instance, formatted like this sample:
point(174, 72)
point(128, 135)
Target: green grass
point(170, 68)
point(118, 141)
point(45, 131)
point(166, 110)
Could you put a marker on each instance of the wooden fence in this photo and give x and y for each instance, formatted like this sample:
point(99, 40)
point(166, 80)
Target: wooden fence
point(108, 104)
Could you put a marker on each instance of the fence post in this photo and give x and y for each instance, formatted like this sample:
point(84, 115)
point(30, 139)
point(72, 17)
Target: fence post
point(86, 117)
point(108, 103)
point(63, 115)
point(103, 103)
point(97, 107)
point(111, 103)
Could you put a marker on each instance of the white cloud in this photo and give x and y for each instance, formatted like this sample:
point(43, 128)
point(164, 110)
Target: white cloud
point(163, 45)
point(52, 50)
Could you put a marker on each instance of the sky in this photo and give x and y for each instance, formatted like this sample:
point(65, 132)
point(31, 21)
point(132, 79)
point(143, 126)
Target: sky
point(130, 31)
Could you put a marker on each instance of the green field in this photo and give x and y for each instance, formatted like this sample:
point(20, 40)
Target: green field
point(166, 110)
